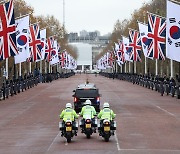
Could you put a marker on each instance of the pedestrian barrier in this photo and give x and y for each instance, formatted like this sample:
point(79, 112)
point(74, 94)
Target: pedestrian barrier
point(159, 84)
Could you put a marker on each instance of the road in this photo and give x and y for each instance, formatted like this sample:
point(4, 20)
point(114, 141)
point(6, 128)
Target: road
point(147, 123)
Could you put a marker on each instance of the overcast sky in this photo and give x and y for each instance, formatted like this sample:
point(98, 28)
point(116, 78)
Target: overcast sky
point(87, 15)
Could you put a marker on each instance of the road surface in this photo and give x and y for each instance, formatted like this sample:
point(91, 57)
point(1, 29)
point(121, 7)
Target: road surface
point(147, 123)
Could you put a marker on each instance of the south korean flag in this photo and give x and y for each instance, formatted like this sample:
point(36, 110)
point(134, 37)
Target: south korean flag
point(22, 39)
point(173, 31)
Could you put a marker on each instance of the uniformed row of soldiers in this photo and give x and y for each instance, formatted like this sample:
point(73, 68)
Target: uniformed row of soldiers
point(49, 77)
point(15, 86)
point(161, 84)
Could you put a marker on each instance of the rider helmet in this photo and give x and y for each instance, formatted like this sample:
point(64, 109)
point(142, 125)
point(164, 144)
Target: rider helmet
point(88, 102)
point(68, 105)
point(106, 105)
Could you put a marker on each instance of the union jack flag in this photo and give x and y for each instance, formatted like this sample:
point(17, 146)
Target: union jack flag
point(62, 59)
point(35, 43)
point(121, 53)
point(110, 57)
point(7, 31)
point(134, 47)
point(156, 37)
point(49, 48)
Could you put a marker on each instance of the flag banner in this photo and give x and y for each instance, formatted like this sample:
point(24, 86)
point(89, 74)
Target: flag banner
point(115, 49)
point(43, 43)
point(73, 64)
point(119, 62)
point(121, 53)
point(49, 48)
point(173, 31)
point(125, 41)
point(69, 62)
point(156, 36)
point(35, 43)
point(101, 64)
point(7, 31)
point(54, 54)
point(111, 59)
point(22, 39)
point(63, 59)
point(134, 45)
point(143, 29)
point(59, 54)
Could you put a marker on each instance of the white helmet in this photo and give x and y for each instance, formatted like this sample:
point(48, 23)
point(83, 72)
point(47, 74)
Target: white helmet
point(106, 105)
point(68, 105)
point(88, 102)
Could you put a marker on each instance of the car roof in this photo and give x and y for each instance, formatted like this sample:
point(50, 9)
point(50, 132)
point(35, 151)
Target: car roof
point(84, 86)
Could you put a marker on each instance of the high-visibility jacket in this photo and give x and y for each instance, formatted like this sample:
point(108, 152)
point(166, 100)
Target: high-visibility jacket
point(106, 113)
point(68, 114)
point(88, 111)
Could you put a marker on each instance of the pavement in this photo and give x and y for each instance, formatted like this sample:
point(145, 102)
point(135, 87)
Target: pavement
point(147, 123)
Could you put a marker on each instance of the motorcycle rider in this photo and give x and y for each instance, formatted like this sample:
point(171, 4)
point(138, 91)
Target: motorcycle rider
point(68, 114)
point(88, 111)
point(106, 113)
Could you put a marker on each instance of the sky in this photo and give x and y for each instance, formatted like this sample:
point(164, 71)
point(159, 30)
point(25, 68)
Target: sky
point(89, 15)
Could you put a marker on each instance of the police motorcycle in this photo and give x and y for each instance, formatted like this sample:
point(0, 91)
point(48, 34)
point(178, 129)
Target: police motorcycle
point(68, 126)
point(68, 129)
point(88, 126)
point(106, 128)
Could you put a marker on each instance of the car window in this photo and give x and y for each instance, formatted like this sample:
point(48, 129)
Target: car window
point(86, 93)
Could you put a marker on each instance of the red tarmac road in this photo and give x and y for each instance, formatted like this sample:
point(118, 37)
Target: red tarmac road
point(147, 123)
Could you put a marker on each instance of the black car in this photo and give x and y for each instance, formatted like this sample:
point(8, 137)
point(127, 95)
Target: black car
point(84, 92)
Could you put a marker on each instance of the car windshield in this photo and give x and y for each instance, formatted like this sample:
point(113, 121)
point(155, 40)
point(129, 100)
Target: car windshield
point(87, 93)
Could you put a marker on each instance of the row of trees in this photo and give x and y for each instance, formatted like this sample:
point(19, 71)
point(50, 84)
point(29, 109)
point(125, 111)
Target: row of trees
point(53, 28)
point(121, 28)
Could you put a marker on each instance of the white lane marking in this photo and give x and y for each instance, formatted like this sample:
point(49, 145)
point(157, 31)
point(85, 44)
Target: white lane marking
point(117, 142)
point(53, 142)
point(166, 150)
point(165, 111)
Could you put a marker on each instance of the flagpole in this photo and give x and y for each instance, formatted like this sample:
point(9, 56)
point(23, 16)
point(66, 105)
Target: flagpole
point(29, 67)
point(41, 67)
point(49, 68)
point(172, 70)
point(145, 59)
point(156, 67)
point(20, 69)
point(135, 67)
point(145, 64)
point(45, 67)
point(6, 68)
point(129, 67)
point(125, 68)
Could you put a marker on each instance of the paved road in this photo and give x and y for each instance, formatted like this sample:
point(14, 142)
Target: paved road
point(146, 122)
